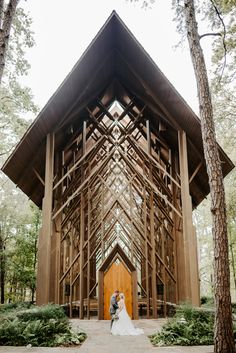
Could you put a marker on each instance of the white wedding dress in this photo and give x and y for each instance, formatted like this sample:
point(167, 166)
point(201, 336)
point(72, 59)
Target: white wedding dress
point(124, 326)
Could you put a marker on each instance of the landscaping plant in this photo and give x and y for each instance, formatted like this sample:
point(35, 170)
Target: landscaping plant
point(189, 327)
point(45, 326)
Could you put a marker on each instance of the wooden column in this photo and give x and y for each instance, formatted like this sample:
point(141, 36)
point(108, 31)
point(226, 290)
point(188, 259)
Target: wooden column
point(195, 271)
point(135, 294)
point(132, 230)
point(153, 257)
point(81, 287)
point(58, 262)
point(55, 237)
point(102, 222)
point(44, 247)
point(146, 251)
point(152, 230)
point(100, 295)
point(148, 137)
point(175, 219)
point(89, 260)
point(190, 284)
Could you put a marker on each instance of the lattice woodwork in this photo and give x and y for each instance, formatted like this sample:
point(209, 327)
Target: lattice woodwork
point(116, 184)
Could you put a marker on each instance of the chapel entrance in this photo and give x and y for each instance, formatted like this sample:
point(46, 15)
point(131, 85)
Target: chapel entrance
point(117, 277)
point(117, 272)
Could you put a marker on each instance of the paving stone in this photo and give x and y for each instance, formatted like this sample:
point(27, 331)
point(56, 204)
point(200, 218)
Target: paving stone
point(101, 341)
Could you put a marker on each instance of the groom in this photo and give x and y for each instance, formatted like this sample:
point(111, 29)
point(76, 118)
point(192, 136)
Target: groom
point(113, 305)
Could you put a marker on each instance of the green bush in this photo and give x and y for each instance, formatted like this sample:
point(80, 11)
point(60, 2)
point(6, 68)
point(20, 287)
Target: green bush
point(234, 308)
point(188, 328)
point(5, 308)
point(45, 326)
point(46, 312)
point(207, 301)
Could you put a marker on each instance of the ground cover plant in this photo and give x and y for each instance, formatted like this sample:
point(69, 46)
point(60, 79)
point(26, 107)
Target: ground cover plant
point(189, 327)
point(45, 326)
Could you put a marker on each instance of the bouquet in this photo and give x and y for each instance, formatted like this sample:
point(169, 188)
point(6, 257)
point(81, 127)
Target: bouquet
point(115, 317)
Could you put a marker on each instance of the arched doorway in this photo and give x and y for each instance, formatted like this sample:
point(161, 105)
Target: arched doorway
point(117, 272)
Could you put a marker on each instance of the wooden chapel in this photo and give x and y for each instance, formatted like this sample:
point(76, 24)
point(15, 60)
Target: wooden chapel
point(115, 160)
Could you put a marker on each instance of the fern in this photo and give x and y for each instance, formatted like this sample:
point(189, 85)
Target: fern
point(196, 330)
point(39, 326)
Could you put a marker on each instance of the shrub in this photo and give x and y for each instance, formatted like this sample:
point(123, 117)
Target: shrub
point(5, 308)
point(46, 312)
point(39, 326)
point(207, 301)
point(234, 308)
point(189, 327)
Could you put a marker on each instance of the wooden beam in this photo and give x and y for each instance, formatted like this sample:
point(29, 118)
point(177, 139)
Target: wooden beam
point(75, 109)
point(191, 283)
point(39, 177)
point(44, 247)
point(77, 191)
point(154, 188)
point(100, 295)
point(153, 257)
point(148, 137)
point(81, 287)
point(161, 107)
point(146, 250)
point(94, 147)
point(135, 145)
point(195, 172)
point(71, 272)
point(102, 222)
point(84, 137)
point(89, 249)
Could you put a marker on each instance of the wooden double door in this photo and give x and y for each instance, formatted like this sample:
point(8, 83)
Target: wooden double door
point(117, 277)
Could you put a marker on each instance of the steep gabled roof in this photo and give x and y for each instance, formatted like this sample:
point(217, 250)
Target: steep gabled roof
point(113, 64)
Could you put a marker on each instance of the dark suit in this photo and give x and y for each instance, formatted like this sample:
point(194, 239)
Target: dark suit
point(113, 306)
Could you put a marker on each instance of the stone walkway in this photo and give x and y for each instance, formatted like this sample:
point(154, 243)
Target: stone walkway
point(101, 341)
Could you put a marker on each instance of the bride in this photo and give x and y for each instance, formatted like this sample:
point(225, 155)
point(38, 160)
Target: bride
point(123, 325)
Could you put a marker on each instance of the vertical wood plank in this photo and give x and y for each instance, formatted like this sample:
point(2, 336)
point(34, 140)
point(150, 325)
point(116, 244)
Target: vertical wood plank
point(148, 136)
point(146, 251)
point(131, 223)
point(102, 223)
point(81, 290)
point(84, 136)
point(89, 260)
point(190, 283)
point(44, 249)
point(100, 295)
point(153, 257)
point(135, 294)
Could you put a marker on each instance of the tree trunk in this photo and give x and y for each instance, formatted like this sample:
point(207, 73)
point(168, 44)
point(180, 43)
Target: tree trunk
point(2, 269)
point(10, 295)
point(232, 257)
point(1, 11)
point(223, 337)
point(5, 30)
point(32, 294)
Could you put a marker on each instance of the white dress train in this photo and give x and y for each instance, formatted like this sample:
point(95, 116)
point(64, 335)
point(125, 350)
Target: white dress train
point(124, 326)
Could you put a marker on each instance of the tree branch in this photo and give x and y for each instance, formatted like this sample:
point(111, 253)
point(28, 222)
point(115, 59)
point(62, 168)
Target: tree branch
point(1, 12)
point(210, 34)
point(223, 37)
